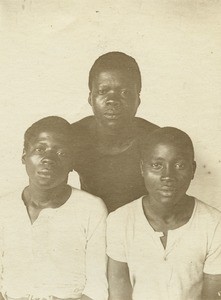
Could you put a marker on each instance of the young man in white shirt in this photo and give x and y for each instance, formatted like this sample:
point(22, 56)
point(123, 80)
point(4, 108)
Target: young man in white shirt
point(52, 236)
point(165, 245)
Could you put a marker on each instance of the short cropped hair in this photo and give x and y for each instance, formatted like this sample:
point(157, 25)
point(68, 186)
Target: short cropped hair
point(116, 61)
point(51, 123)
point(163, 135)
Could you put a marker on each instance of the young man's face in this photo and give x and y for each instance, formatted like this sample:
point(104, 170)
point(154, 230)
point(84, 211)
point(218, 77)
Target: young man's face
point(114, 99)
point(167, 171)
point(48, 160)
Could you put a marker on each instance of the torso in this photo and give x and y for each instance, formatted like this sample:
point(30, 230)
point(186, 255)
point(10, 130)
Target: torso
point(34, 207)
point(50, 253)
point(110, 172)
point(172, 221)
point(177, 270)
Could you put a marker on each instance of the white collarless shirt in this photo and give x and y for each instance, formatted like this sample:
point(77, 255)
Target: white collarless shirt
point(173, 273)
point(59, 253)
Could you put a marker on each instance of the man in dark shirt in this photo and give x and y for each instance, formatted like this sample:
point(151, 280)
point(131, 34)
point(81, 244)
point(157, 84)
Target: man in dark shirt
point(107, 156)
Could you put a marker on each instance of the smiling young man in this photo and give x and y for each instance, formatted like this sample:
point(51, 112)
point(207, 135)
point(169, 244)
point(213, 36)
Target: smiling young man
point(106, 144)
point(167, 244)
point(52, 236)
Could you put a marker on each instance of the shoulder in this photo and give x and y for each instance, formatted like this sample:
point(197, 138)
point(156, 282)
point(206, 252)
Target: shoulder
point(207, 213)
point(87, 203)
point(143, 126)
point(10, 202)
point(83, 135)
point(84, 124)
point(125, 214)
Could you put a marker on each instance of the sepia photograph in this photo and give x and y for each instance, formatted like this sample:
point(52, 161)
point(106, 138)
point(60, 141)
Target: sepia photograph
point(111, 150)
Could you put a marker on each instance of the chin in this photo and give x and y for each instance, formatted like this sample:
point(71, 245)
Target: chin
point(112, 124)
point(168, 201)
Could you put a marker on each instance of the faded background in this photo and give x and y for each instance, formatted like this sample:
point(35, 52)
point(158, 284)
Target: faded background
point(48, 46)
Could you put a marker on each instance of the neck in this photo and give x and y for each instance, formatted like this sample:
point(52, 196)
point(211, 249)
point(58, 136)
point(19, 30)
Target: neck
point(167, 211)
point(41, 198)
point(113, 132)
point(112, 140)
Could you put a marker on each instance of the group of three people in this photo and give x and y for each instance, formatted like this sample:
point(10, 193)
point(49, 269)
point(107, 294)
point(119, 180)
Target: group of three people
point(160, 242)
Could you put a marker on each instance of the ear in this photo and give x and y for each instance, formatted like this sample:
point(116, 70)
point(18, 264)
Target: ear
point(141, 167)
point(194, 168)
point(23, 156)
point(138, 102)
point(89, 99)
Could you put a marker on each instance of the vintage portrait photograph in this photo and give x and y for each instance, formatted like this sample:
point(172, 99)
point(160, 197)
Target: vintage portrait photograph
point(111, 150)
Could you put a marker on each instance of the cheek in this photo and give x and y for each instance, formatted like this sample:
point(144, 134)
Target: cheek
point(29, 162)
point(150, 179)
point(98, 106)
point(131, 107)
point(67, 166)
point(98, 100)
point(29, 167)
point(186, 177)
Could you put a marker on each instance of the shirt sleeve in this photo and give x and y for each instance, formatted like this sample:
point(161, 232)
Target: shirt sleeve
point(213, 259)
point(96, 260)
point(116, 225)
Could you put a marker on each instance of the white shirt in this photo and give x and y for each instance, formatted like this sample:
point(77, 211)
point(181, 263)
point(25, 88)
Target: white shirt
point(173, 273)
point(61, 254)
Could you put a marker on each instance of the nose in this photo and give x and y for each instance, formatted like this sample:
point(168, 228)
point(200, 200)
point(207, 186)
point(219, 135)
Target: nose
point(167, 174)
point(113, 98)
point(49, 158)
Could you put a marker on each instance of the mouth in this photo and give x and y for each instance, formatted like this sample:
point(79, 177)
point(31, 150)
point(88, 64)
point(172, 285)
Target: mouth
point(167, 191)
point(112, 114)
point(46, 173)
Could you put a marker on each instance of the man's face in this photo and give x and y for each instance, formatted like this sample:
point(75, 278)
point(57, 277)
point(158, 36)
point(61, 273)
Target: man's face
point(167, 171)
point(48, 160)
point(114, 99)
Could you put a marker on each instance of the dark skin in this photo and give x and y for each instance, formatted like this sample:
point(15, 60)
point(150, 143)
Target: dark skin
point(36, 202)
point(164, 220)
point(47, 160)
point(114, 99)
point(167, 172)
point(119, 281)
point(48, 163)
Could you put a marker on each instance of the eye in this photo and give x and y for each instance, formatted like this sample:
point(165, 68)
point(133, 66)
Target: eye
point(39, 149)
point(61, 153)
point(156, 166)
point(102, 91)
point(180, 165)
point(124, 93)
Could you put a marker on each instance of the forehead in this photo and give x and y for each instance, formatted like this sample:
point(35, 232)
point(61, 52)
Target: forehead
point(113, 76)
point(168, 150)
point(45, 136)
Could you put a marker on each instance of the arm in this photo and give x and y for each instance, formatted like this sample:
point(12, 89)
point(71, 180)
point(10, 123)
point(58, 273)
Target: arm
point(211, 287)
point(119, 281)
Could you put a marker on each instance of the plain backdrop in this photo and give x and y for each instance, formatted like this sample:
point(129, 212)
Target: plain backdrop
point(48, 46)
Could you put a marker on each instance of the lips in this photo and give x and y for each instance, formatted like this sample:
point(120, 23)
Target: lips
point(167, 188)
point(46, 173)
point(112, 114)
point(167, 191)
